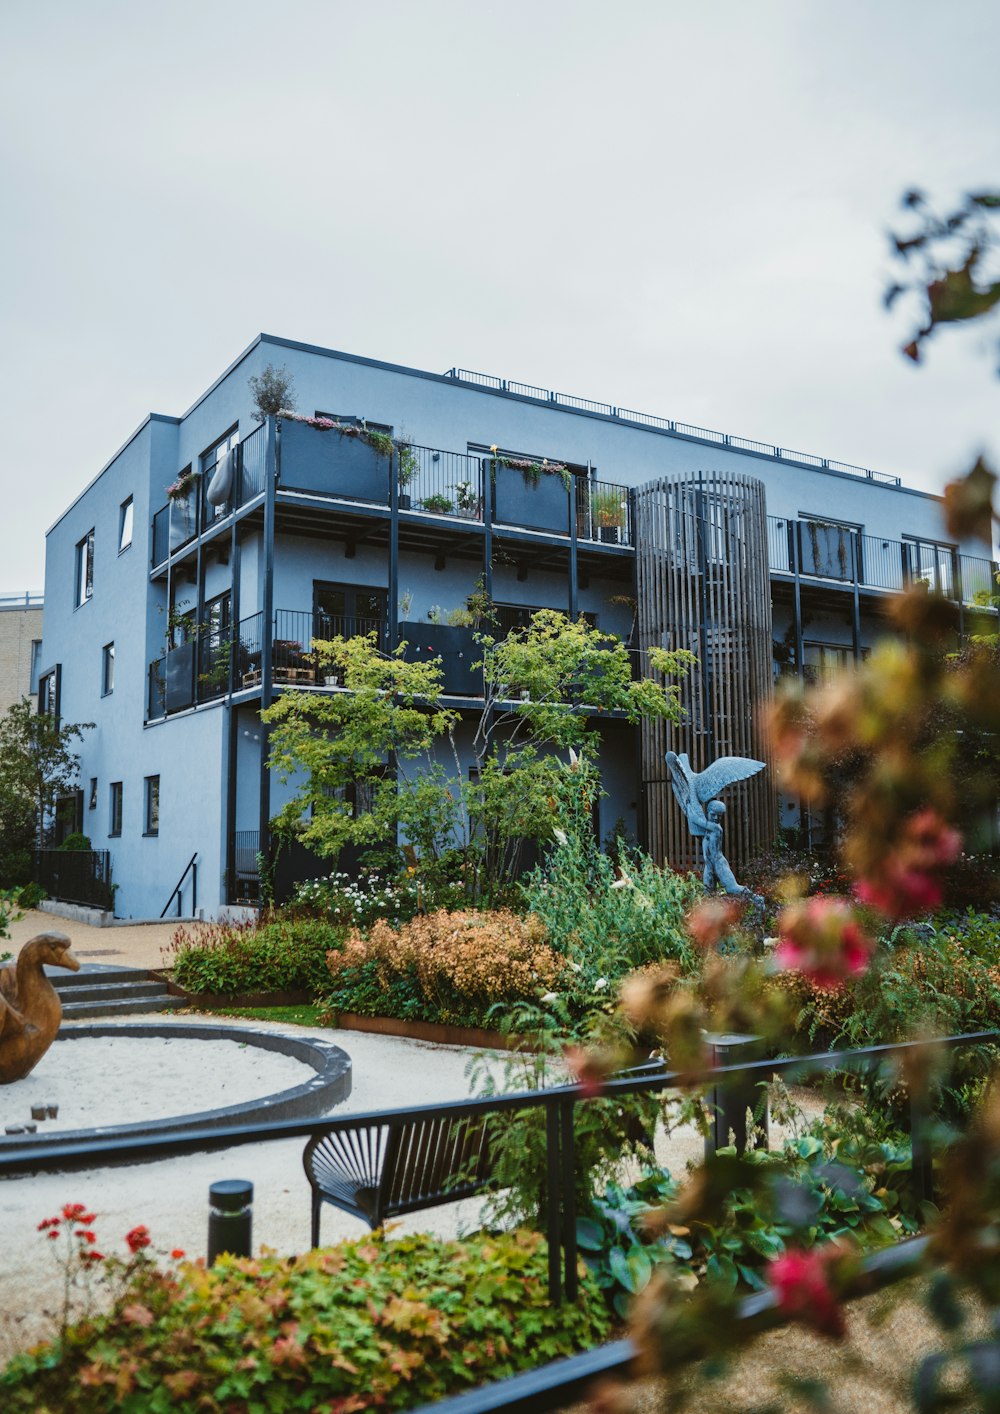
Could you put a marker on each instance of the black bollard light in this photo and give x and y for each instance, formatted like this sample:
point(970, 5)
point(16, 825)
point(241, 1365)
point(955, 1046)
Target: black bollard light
point(730, 1100)
point(230, 1218)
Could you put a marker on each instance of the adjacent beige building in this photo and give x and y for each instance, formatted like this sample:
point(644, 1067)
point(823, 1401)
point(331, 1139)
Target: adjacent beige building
point(20, 647)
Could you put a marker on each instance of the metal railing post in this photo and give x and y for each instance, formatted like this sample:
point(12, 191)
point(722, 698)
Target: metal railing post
point(567, 1154)
point(552, 1213)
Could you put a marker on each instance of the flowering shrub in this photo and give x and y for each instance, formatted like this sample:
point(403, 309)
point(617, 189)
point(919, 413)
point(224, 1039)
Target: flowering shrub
point(448, 967)
point(372, 1323)
point(276, 954)
point(360, 902)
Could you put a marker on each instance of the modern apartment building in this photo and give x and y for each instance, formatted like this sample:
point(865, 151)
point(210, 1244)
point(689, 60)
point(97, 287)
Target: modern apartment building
point(20, 646)
point(393, 495)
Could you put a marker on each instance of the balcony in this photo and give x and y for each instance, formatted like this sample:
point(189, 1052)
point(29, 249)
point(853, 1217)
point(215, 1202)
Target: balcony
point(837, 555)
point(433, 487)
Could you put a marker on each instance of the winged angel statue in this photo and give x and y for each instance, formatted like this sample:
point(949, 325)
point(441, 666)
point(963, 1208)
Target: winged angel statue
point(697, 794)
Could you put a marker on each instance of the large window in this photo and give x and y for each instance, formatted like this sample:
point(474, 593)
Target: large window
point(115, 808)
point(152, 806)
point(125, 525)
point(107, 669)
point(932, 563)
point(84, 580)
point(49, 692)
point(348, 610)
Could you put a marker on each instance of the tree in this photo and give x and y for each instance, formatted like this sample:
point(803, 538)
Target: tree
point(272, 391)
point(535, 749)
point(37, 764)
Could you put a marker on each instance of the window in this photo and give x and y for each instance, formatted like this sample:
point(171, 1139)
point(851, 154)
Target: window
point(92, 797)
point(107, 669)
point(125, 525)
point(50, 691)
point(152, 808)
point(822, 661)
point(932, 563)
point(210, 458)
point(36, 656)
point(115, 811)
point(348, 610)
point(84, 579)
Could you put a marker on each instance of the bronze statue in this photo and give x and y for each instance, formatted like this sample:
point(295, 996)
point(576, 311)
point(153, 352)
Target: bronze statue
point(30, 1009)
point(696, 794)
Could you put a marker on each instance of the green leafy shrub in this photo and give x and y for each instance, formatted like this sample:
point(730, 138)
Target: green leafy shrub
point(278, 954)
point(361, 900)
point(610, 919)
point(445, 967)
point(391, 1324)
point(30, 896)
point(75, 841)
point(822, 1186)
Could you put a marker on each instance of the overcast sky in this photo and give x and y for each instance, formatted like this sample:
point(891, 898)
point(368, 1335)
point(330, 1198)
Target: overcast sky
point(675, 207)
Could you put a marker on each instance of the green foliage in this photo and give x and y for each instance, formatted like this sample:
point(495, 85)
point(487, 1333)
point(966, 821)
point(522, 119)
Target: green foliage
point(278, 954)
point(30, 896)
point(75, 841)
point(37, 764)
point(10, 903)
point(376, 1322)
point(822, 1185)
point(340, 743)
point(272, 392)
point(610, 919)
point(303, 1015)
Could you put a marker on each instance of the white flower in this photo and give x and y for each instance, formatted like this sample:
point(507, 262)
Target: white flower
point(576, 967)
point(600, 984)
point(561, 836)
point(550, 997)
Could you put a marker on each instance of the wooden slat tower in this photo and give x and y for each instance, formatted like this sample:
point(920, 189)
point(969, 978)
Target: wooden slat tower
point(702, 584)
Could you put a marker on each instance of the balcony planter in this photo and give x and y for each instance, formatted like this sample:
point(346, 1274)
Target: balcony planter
point(458, 650)
point(179, 672)
point(332, 463)
point(538, 502)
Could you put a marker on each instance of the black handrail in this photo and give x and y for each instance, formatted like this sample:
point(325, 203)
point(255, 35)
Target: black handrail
point(192, 866)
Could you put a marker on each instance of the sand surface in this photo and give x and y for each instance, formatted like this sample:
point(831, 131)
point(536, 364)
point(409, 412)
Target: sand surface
point(116, 1080)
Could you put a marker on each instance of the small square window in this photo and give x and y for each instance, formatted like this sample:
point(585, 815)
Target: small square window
point(125, 525)
point(107, 669)
point(152, 805)
point(92, 797)
point(115, 811)
point(84, 580)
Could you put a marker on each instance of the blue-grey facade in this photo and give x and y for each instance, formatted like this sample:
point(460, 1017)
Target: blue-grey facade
point(168, 623)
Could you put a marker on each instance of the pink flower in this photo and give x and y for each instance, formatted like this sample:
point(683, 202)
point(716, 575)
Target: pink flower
point(711, 919)
point(907, 884)
point(822, 938)
point(801, 1282)
point(586, 1070)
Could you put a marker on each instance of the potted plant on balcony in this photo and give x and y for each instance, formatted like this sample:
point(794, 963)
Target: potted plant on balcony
point(607, 509)
point(468, 500)
point(347, 460)
point(438, 504)
point(407, 466)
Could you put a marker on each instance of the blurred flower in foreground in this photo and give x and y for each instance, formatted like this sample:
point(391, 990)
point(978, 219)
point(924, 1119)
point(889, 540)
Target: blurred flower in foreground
point(713, 919)
point(801, 1281)
point(907, 881)
point(822, 938)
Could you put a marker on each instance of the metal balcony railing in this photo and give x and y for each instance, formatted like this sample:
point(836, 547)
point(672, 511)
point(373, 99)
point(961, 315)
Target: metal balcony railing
point(178, 522)
point(835, 553)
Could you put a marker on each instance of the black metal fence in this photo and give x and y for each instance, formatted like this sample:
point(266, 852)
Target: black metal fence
point(549, 1387)
point(75, 876)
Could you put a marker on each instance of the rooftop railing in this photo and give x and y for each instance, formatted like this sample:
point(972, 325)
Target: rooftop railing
point(666, 424)
point(25, 599)
point(836, 553)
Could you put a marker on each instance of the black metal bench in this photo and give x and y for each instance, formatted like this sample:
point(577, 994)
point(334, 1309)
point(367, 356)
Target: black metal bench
point(379, 1171)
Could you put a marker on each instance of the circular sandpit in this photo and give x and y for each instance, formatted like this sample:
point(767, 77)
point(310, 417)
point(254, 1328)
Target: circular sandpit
point(145, 1079)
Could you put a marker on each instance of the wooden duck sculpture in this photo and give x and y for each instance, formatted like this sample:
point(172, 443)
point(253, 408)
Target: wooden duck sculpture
point(30, 1009)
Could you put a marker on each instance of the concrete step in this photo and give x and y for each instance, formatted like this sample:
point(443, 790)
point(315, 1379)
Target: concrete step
point(112, 992)
point(92, 974)
point(126, 1006)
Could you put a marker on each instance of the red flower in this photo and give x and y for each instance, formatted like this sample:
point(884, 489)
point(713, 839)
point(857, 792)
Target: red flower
point(177, 1253)
point(138, 1238)
point(86, 1236)
point(48, 1222)
point(822, 939)
point(72, 1211)
point(53, 1236)
point(801, 1282)
point(92, 1256)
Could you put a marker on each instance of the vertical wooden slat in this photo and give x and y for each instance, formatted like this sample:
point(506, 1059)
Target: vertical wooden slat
point(702, 583)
